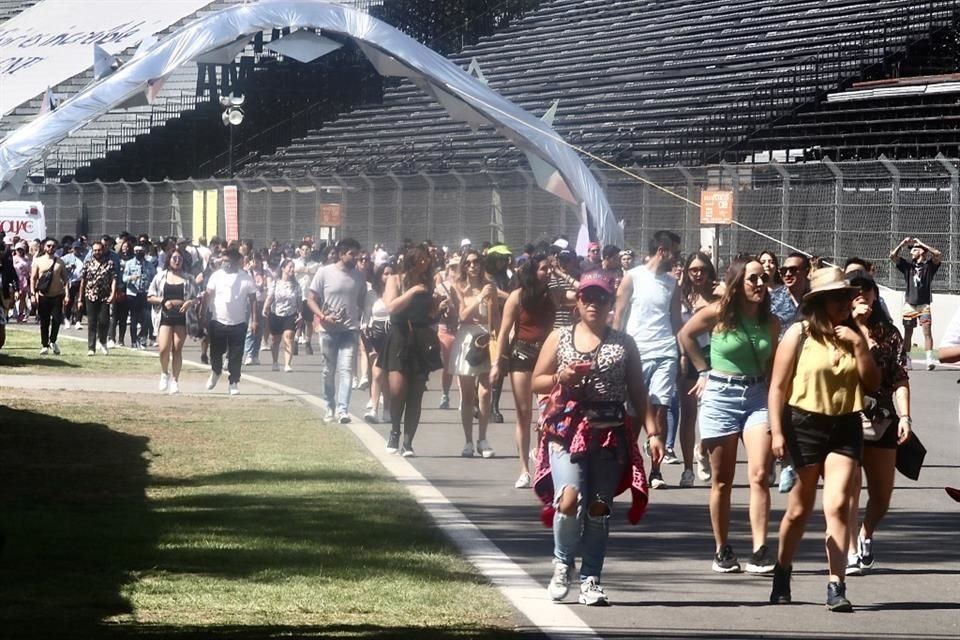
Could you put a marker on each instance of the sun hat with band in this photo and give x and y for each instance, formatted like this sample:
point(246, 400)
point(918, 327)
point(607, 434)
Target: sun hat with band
point(595, 279)
point(826, 280)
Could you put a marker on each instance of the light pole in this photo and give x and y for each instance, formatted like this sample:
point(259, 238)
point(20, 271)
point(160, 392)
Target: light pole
point(231, 117)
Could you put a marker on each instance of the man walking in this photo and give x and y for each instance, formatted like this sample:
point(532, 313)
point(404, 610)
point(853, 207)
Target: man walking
point(232, 299)
point(918, 274)
point(648, 305)
point(785, 301)
point(137, 276)
point(337, 294)
point(50, 285)
point(98, 283)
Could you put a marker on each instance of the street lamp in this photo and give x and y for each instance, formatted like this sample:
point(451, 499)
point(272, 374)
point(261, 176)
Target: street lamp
point(231, 117)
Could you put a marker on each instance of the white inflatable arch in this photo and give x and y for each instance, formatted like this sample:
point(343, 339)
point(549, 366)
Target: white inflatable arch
point(391, 52)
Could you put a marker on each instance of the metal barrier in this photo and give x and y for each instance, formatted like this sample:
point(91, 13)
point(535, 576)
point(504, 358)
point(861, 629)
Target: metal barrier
point(833, 210)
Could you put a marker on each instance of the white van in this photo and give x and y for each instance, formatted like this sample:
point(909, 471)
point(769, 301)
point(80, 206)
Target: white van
point(24, 219)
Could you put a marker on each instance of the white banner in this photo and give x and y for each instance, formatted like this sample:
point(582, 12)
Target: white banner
point(53, 40)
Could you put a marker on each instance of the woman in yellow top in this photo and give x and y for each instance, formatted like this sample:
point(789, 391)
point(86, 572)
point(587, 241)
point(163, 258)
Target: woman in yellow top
point(822, 368)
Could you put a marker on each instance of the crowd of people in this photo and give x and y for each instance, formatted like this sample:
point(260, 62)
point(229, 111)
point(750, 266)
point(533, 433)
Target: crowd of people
point(804, 365)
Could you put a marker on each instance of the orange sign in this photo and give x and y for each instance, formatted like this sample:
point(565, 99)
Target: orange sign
point(716, 207)
point(330, 215)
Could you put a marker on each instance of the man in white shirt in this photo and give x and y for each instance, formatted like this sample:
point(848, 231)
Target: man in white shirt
point(648, 309)
point(337, 295)
point(231, 297)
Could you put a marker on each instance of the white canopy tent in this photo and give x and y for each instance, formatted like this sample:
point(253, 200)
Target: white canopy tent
point(391, 52)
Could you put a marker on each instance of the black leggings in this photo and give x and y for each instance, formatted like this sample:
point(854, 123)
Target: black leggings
point(118, 318)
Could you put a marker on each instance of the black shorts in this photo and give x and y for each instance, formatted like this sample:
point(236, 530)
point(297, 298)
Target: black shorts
point(279, 324)
point(307, 313)
point(811, 436)
point(173, 319)
point(691, 373)
point(524, 354)
point(888, 440)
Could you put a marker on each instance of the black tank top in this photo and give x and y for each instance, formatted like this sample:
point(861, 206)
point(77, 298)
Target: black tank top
point(417, 312)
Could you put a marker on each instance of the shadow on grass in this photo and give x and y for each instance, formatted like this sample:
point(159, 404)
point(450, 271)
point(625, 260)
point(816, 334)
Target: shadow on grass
point(20, 362)
point(338, 631)
point(74, 513)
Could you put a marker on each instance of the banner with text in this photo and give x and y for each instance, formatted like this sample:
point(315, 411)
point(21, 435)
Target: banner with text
point(53, 40)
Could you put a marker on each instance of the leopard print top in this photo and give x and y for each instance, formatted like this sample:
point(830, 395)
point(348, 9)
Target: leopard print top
point(607, 382)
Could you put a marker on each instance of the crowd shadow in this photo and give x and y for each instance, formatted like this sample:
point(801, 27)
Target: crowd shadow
point(14, 361)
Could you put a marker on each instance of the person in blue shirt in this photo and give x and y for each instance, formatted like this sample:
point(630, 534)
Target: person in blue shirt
point(138, 273)
point(73, 263)
point(785, 300)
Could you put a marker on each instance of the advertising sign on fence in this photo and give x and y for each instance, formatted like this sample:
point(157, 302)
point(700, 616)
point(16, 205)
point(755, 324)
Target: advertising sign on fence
point(716, 207)
point(330, 215)
point(230, 212)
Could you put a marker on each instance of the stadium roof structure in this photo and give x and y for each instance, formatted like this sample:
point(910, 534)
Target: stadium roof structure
point(391, 52)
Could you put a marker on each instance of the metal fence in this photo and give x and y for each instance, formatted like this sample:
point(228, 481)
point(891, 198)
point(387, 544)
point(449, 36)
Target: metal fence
point(833, 210)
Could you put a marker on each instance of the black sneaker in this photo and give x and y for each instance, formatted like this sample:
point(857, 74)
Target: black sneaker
point(204, 358)
point(780, 594)
point(760, 561)
point(496, 416)
point(837, 597)
point(393, 442)
point(726, 561)
point(865, 550)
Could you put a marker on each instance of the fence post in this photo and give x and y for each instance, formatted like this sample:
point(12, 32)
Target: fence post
point(732, 229)
point(128, 207)
point(370, 203)
point(837, 198)
point(528, 205)
point(894, 210)
point(687, 210)
point(398, 203)
point(954, 212)
point(461, 201)
point(103, 209)
point(785, 200)
point(429, 180)
point(292, 208)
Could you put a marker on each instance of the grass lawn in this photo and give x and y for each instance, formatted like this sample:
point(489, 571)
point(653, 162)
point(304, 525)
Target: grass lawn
point(21, 355)
point(216, 518)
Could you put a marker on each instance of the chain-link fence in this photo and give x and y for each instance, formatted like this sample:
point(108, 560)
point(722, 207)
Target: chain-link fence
point(833, 210)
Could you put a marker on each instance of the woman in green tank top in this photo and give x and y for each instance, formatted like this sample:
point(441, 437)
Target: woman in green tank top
point(743, 339)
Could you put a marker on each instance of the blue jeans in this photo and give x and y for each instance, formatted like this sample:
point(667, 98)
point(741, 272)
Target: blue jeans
point(252, 341)
point(595, 475)
point(673, 421)
point(337, 350)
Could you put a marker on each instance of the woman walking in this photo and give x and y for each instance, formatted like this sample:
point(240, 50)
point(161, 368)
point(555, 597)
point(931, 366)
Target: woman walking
point(412, 350)
point(529, 312)
point(172, 294)
point(120, 309)
point(743, 338)
point(375, 339)
point(281, 309)
point(884, 430)
point(449, 322)
point(697, 290)
point(822, 369)
point(587, 452)
point(476, 299)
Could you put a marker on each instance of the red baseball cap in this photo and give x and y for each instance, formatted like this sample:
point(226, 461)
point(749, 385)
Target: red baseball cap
point(596, 278)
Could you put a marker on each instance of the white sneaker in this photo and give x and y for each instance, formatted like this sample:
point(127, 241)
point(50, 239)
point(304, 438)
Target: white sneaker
point(467, 451)
point(78, 326)
point(248, 361)
point(704, 472)
point(164, 382)
point(234, 388)
point(560, 582)
point(523, 482)
point(686, 478)
point(44, 351)
point(591, 593)
point(174, 387)
point(287, 368)
point(484, 449)
point(275, 366)
point(111, 344)
point(56, 348)
point(91, 352)
point(931, 365)
point(370, 417)
point(212, 380)
point(103, 349)
point(264, 346)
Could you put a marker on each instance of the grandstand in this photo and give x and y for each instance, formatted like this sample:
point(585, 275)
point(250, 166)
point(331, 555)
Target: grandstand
point(642, 82)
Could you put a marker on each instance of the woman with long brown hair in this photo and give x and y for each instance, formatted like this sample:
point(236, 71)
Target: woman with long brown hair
point(743, 338)
point(530, 311)
point(821, 371)
point(412, 350)
point(475, 296)
point(172, 293)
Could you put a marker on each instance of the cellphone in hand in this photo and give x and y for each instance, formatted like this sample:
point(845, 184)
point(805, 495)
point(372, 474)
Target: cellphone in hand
point(583, 368)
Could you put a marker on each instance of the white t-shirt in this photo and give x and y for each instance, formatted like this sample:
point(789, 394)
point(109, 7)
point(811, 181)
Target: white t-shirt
point(650, 323)
point(232, 291)
point(951, 337)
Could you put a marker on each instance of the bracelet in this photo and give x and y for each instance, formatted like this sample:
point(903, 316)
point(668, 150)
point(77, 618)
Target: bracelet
point(654, 435)
point(702, 372)
point(908, 419)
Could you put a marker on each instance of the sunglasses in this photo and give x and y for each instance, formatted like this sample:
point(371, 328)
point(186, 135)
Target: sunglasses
point(471, 262)
point(594, 297)
point(49, 246)
point(757, 278)
point(789, 271)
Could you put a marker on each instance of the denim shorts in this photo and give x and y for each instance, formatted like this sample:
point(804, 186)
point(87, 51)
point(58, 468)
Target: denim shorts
point(732, 405)
point(660, 376)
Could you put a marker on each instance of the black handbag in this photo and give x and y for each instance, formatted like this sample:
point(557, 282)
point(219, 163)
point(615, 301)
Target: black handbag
point(478, 353)
point(45, 280)
point(910, 457)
